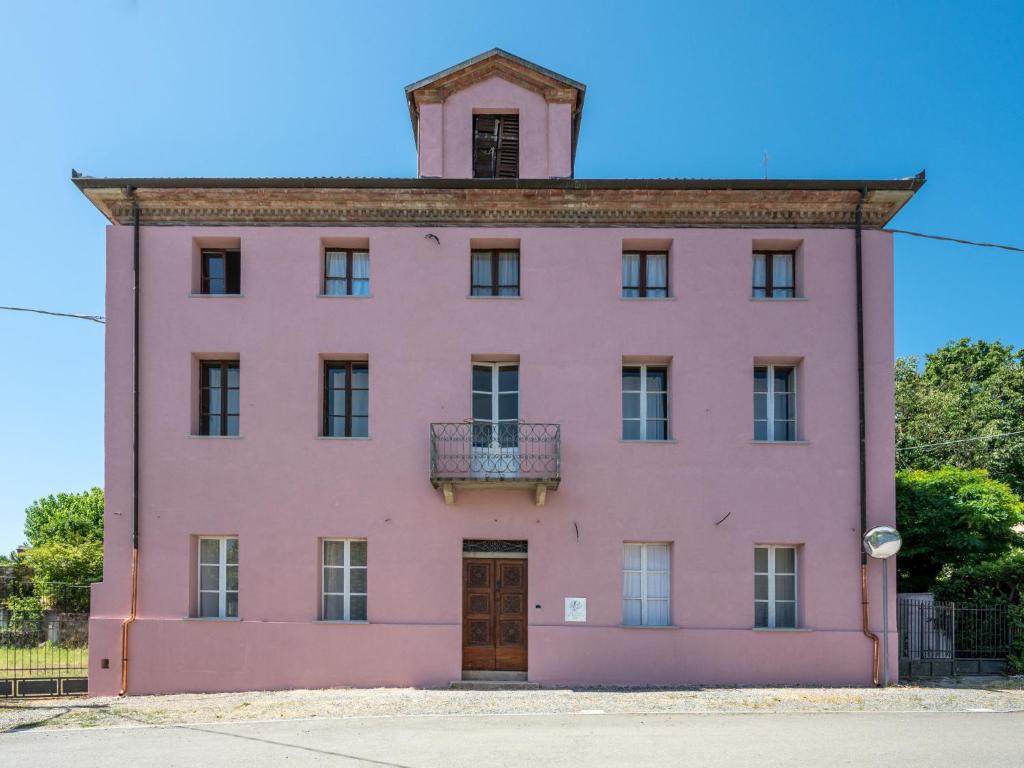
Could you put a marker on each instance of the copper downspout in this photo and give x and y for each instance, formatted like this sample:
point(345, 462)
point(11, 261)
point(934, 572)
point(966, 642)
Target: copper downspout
point(863, 443)
point(130, 191)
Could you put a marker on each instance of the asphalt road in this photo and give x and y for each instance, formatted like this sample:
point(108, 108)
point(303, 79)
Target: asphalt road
point(978, 740)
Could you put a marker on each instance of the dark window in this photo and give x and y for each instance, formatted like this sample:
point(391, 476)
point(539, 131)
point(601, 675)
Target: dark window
point(495, 146)
point(218, 397)
point(222, 272)
point(494, 273)
point(346, 272)
point(644, 402)
point(774, 275)
point(346, 399)
point(775, 403)
point(645, 274)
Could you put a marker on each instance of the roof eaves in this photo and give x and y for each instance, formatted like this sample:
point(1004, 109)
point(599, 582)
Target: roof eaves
point(910, 183)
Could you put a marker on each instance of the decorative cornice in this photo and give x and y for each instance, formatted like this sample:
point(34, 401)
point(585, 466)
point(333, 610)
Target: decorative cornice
point(547, 87)
point(555, 206)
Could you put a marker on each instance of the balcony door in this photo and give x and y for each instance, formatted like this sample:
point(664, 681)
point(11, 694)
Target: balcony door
point(495, 420)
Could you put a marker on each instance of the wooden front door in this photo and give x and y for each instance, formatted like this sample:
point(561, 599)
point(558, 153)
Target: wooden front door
point(494, 614)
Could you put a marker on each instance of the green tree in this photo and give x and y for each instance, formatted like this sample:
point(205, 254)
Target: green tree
point(60, 571)
point(65, 552)
point(966, 389)
point(68, 518)
point(997, 580)
point(951, 518)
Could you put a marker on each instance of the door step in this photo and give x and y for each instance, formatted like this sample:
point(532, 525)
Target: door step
point(494, 675)
point(492, 685)
point(492, 680)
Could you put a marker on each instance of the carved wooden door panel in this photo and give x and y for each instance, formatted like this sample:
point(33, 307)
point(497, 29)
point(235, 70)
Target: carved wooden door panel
point(477, 613)
point(494, 614)
point(510, 615)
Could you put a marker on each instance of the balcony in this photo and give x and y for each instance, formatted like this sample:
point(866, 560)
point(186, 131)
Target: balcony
point(495, 455)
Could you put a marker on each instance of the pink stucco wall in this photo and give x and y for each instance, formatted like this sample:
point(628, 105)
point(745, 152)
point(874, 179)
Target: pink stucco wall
point(280, 489)
point(445, 132)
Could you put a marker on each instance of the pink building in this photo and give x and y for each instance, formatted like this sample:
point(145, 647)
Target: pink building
point(493, 418)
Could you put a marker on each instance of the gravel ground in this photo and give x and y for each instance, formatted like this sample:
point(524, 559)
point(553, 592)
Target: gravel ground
point(1000, 694)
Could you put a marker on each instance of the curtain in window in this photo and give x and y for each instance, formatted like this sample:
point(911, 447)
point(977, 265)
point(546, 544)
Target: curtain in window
point(508, 273)
point(335, 274)
point(481, 274)
point(657, 274)
point(631, 275)
point(760, 276)
point(657, 585)
point(632, 611)
point(782, 275)
point(360, 274)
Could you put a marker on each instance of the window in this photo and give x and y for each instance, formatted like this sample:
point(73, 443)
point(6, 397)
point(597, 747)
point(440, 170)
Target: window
point(494, 273)
point(218, 578)
point(645, 585)
point(645, 274)
point(495, 146)
point(496, 416)
point(775, 403)
point(644, 402)
point(218, 398)
point(346, 399)
point(221, 272)
point(346, 272)
point(774, 276)
point(344, 580)
point(775, 587)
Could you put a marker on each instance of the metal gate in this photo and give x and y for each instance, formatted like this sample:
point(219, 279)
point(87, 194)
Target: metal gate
point(44, 638)
point(927, 629)
point(936, 631)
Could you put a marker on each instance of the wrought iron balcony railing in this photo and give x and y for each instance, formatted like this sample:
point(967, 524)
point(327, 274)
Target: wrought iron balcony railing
point(486, 453)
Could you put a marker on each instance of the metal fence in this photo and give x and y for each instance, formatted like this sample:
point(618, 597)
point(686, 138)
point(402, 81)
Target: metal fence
point(930, 630)
point(44, 638)
point(495, 451)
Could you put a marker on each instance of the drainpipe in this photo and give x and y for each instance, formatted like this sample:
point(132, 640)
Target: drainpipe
point(130, 191)
point(863, 441)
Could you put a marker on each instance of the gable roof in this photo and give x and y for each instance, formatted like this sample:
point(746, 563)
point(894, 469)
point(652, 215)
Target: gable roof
point(497, 63)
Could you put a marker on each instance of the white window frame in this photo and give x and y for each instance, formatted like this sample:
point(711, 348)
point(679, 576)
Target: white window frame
point(770, 404)
point(771, 573)
point(222, 577)
point(346, 568)
point(643, 572)
point(643, 403)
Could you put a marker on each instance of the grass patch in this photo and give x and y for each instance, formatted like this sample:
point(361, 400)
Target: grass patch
point(44, 660)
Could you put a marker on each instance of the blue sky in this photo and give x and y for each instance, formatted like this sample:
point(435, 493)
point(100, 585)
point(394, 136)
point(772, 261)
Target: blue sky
point(829, 89)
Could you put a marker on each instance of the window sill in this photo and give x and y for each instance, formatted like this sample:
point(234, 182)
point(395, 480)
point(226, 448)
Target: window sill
point(648, 626)
point(780, 298)
point(344, 296)
point(781, 629)
point(340, 437)
point(215, 437)
point(227, 619)
point(780, 442)
point(647, 298)
point(671, 440)
point(488, 298)
point(216, 295)
point(339, 621)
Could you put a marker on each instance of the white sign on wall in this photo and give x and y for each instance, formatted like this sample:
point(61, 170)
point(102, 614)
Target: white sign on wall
point(575, 609)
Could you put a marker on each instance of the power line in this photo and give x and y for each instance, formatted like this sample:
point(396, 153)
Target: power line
point(961, 440)
point(956, 240)
point(95, 318)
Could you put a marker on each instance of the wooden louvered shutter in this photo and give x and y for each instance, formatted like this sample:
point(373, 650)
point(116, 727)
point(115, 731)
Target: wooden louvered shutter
point(508, 147)
point(486, 130)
